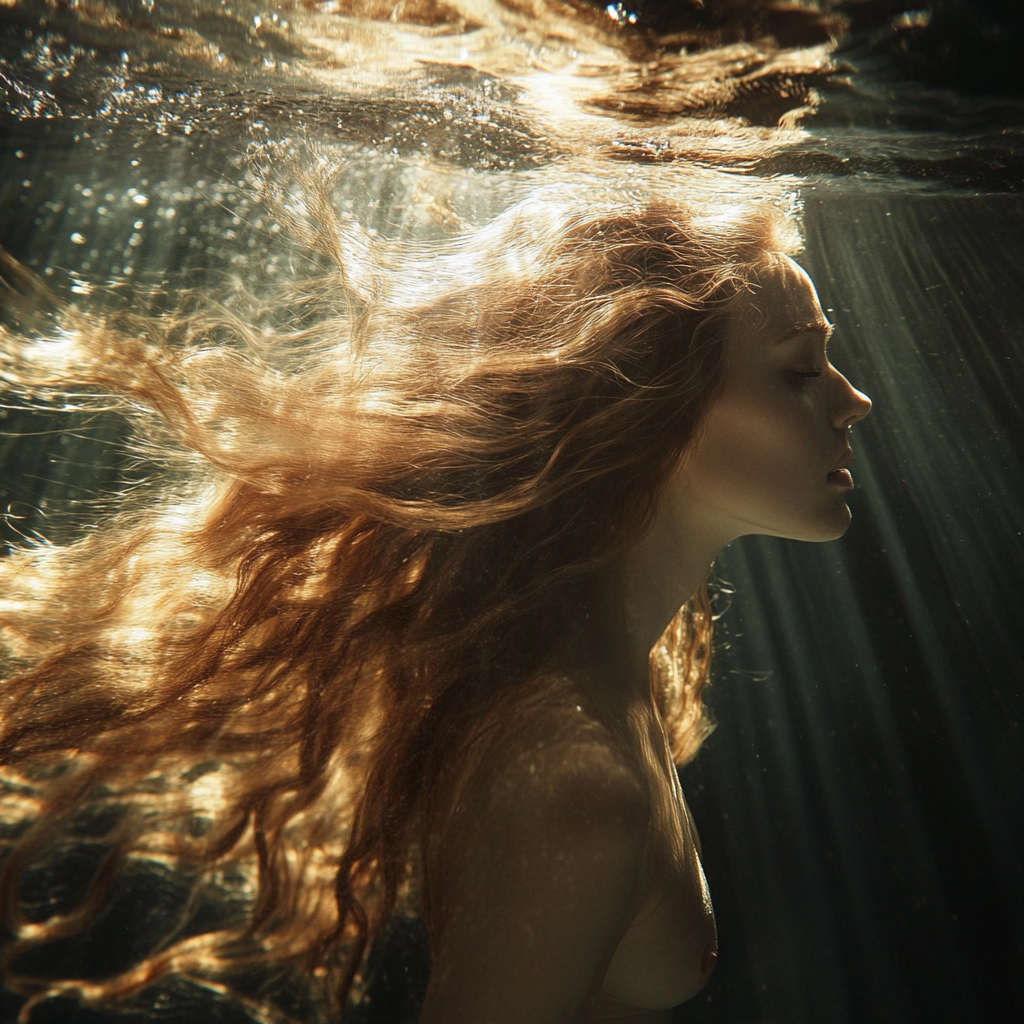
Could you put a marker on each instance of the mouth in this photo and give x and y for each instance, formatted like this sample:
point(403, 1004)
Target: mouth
point(840, 475)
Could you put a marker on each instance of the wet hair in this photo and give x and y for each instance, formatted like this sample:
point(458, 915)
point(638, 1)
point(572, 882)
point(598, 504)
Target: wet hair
point(383, 490)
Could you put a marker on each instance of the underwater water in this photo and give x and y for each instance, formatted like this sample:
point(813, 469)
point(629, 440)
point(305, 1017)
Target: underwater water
point(861, 803)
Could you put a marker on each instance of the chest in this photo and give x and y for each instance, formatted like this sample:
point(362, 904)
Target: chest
point(667, 954)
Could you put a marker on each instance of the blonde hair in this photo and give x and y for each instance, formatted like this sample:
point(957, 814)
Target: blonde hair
point(276, 665)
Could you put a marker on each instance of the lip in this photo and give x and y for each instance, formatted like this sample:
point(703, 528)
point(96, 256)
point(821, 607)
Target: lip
point(840, 475)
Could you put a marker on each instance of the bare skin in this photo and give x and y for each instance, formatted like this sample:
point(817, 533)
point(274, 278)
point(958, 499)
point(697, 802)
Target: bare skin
point(570, 879)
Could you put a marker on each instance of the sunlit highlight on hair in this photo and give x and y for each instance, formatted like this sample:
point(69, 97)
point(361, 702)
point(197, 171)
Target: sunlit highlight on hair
point(276, 664)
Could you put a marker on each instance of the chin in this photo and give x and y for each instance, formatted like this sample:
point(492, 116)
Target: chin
point(795, 523)
point(831, 527)
point(829, 524)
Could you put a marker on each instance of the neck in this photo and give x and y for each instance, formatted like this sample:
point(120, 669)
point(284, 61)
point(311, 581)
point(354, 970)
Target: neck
point(624, 609)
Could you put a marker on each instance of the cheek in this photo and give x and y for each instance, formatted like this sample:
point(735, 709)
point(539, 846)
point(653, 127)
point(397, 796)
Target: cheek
point(761, 466)
point(755, 442)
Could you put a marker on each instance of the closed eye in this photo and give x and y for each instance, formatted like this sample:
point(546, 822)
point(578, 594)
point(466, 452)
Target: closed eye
point(807, 373)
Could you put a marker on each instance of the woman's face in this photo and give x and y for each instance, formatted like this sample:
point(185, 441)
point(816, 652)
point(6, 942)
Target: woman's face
point(771, 456)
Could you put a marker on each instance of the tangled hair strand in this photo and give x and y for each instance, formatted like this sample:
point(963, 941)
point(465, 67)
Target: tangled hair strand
point(275, 664)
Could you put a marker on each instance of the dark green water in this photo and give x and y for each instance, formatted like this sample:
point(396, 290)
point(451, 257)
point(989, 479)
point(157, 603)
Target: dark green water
point(861, 803)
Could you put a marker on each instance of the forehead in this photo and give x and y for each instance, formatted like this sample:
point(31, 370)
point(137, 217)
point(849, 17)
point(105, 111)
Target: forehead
point(784, 302)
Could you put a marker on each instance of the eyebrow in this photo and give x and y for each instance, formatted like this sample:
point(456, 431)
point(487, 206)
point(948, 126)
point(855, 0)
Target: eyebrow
point(808, 327)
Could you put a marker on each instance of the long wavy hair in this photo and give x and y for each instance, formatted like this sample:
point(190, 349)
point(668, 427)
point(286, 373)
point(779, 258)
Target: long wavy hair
point(380, 491)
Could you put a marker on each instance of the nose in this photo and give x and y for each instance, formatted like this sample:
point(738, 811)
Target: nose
point(853, 405)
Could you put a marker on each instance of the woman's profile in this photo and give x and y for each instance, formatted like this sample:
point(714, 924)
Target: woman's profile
point(415, 617)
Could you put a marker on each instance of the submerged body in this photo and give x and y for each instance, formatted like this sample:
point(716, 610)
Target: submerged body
point(430, 627)
point(573, 887)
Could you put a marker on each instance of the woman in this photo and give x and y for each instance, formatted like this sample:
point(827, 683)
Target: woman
point(403, 627)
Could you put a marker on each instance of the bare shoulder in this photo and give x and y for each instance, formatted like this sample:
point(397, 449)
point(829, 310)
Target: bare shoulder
point(553, 763)
point(539, 870)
